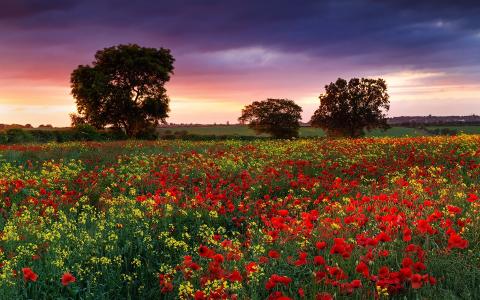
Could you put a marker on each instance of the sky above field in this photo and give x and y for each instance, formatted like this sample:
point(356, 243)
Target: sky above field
point(229, 53)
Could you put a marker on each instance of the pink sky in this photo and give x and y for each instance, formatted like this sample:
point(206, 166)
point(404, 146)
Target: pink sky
point(37, 95)
point(238, 52)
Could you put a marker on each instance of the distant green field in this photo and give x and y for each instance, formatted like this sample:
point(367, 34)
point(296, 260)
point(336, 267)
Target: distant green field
point(304, 131)
point(243, 130)
point(470, 129)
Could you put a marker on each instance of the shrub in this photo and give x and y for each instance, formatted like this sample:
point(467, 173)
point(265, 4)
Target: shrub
point(86, 132)
point(3, 138)
point(17, 135)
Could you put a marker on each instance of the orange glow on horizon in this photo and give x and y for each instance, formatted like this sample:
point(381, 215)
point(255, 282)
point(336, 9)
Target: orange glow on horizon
point(218, 99)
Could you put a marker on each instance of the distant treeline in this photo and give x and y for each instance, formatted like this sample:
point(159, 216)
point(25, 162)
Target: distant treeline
point(441, 131)
point(81, 133)
point(418, 121)
point(26, 126)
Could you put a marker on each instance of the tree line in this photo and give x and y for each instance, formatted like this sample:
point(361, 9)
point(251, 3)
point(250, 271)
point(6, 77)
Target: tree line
point(124, 89)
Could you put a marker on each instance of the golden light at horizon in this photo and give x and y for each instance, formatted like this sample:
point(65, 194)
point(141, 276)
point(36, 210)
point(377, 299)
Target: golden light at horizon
point(209, 99)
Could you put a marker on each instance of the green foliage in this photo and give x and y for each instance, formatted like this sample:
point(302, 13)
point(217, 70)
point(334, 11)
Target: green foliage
point(17, 136)
point(442, 131)
point(149, 133)
point(43, 136)
point(3, 138)
point(239, 131)
point(278, 117)
point(124, 88)
point(348, 108)
point(86, 133)
point(80, 133)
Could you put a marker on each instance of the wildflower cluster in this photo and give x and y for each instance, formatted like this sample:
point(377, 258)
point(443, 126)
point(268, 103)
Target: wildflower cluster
point(312, 219)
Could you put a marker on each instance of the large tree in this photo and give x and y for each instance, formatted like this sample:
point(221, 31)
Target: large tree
point(278, 117)
point(348, 108)
point(124, 88)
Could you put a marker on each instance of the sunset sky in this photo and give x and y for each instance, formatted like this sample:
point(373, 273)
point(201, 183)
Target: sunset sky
point(229, 53)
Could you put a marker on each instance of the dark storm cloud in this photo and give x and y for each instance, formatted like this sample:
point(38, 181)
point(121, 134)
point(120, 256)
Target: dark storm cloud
point(423, 34)
point(10, 9)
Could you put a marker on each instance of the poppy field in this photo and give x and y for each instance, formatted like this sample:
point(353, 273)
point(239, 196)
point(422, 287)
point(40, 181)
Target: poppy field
point(371, 218)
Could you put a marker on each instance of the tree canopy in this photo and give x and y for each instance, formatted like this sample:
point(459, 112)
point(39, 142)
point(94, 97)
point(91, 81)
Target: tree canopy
point(124, 88)
point(348, 108)
point(278, 117)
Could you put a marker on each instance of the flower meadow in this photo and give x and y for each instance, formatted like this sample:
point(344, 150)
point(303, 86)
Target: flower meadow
point(306, 219)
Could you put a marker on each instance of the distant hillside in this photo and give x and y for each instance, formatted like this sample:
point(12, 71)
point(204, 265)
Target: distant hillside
point(26, 126)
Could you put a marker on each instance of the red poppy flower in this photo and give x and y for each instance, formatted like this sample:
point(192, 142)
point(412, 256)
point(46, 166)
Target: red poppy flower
point(235, 276)
point(218, 258)
point(407, 234)
point(406, 272)
point(204, 251)
point(454, 209)
point(301, 293)
point(274, 279)
point(362, 268)
point(384, 253)
point(383, 237)
point(472, 197)
point(324, 296)
point(165, 282)
point(319, 260)
point(302, 259)
point(416, 281)
point(341, 247)
point(321, 245)
point(68, 278)
point(407, 262)
point(419, 266)
point(199, 295)
point(356, 284)
point(411, 248)
point(251, 267)
point(273, 254)
point(320, 275)
point(456, 241)
point(277, 295)
point(29, 275)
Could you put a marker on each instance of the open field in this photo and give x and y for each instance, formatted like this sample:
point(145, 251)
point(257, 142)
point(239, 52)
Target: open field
point(468, 129)
point(240, 130)
point(206, 132)
point(365, 218)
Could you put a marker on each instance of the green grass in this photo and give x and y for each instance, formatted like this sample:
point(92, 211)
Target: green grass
point(242, 130)
point(469, 129)
point(212, 130)
point(397, 132)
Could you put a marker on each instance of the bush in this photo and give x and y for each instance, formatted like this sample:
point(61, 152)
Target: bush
point(65, 135)
point(43, 136)
point(114, 135)
point(17, 136)
point(149, 133)
point(442, 131)
point(86, 132)
point(3, 138)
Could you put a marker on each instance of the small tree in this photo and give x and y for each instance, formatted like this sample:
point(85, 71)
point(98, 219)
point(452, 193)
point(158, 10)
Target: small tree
point(278, 117)
point(124, 88)
point(348, 108)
